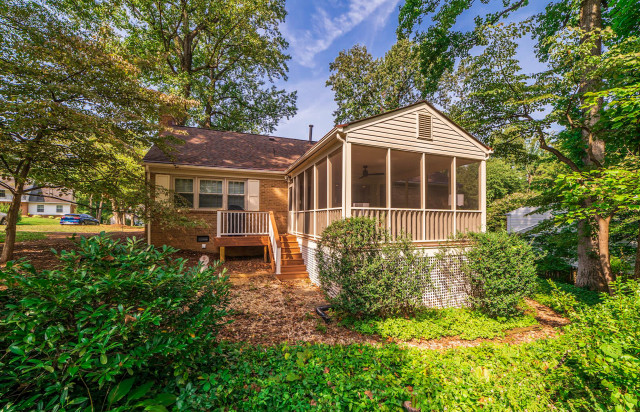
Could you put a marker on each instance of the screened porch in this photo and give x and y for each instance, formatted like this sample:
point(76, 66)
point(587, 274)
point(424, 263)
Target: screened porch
point(428, 196)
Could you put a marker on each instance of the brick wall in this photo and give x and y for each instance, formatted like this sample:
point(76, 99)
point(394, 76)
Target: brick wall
point(273, 197)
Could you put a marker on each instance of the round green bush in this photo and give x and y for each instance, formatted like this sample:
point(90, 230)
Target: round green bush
point(501, 271)
point(364, 273)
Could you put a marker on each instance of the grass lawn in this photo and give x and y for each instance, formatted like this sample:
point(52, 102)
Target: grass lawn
point(24, 236)
point(38, 221)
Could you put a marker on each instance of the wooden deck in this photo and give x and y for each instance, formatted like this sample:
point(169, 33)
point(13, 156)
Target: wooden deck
point(226, 241)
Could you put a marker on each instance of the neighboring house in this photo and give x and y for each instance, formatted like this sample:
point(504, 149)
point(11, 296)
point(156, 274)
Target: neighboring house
point(44, 202)
point(523, 219)
point(405, 167)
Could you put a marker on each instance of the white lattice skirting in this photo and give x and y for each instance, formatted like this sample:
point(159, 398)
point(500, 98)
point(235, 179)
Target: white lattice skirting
point(444, 287)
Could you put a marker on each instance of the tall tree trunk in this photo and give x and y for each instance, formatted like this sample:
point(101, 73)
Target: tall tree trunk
point(636, 272)
point(12, 222)
point(99, 213)
point(603, 248)
point(590, 274)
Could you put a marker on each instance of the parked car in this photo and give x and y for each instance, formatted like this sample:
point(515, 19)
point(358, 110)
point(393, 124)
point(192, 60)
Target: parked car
point(3, 218)
point(78, 219)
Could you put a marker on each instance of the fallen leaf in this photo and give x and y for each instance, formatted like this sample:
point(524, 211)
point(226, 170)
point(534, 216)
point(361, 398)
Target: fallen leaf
point(369, 394)
point(326, 369)
point(313, 402)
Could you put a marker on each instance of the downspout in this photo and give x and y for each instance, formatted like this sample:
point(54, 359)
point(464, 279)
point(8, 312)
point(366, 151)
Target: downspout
point(147, 178)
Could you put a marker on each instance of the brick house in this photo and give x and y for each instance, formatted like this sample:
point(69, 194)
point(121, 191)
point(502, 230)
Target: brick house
point(413, 168)
point(40, 202)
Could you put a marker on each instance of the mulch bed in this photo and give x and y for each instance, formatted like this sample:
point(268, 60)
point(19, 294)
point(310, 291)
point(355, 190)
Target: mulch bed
point(267, 311)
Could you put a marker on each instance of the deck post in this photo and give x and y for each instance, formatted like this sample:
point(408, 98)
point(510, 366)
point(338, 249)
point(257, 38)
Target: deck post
point(219, 223)
point(454, 195)
point(483, 196)
point(222, 254)
point(423, 195)
point(266, 254)
point(346, 178)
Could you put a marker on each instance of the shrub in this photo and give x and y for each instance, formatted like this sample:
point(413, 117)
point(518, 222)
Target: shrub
point(501, 271)
point(4, 208)
point(364, 273)
point(113, 324)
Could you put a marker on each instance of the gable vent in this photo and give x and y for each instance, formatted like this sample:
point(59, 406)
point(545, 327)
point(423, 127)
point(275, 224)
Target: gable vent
point(424, 127)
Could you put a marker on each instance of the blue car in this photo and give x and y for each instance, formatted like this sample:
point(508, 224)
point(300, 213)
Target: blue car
point(78, 219)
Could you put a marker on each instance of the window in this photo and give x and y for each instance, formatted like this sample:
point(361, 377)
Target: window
point(368, 176)
point(3, 193)
point(335, 175)
point(184, 192)
point(40, 208)
point(322, 184)
point(210, 194)
point(59, 209)
point(468, 184)
point(235, 195)
point(405, 180)
point(438, 176)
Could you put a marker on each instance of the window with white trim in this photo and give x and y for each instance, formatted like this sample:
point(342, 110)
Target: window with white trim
point(210, 194)
point(184, 192)
point(3, 193)
point(59, 209)
point(235, 194)
point(40, 208)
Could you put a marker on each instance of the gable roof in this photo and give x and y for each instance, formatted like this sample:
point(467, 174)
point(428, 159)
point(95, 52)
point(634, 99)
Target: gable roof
point(419, 102)
point(214, 148)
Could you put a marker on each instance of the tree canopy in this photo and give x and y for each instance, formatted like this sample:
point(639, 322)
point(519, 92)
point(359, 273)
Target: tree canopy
point(69, 102)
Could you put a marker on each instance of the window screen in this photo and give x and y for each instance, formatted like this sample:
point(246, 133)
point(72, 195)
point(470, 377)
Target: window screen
point(236, 194)
point(184, 192)
point(210, 195)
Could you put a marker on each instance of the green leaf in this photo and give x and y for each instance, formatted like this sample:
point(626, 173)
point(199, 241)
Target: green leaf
point(165, 399)
point(140, 391)
point(103, 359)
point(120, 390)
point(16, 350)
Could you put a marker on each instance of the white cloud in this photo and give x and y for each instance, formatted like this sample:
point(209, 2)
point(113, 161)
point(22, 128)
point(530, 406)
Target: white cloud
point(326, 28)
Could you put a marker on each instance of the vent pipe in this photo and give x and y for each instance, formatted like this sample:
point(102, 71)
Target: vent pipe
point(310, 133)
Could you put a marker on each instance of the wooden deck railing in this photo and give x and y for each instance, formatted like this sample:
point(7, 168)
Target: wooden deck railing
point(242, 223)
point(275, 245)
point(419, 224)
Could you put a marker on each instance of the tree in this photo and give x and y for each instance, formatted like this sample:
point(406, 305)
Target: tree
point(226, 54)
point(364, 86)
point(68, 102)
point(503, 179)
point(570, 37)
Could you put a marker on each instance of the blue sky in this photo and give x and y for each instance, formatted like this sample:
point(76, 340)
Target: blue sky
point(317, 30)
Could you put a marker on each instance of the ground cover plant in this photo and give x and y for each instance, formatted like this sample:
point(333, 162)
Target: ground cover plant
point(563, 297)
point(593, 366)
point(107, 329)
point(365, 274)
point(463, 323)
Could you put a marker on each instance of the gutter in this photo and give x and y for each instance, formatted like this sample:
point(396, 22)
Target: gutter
point(214, 168)
point(316, 147)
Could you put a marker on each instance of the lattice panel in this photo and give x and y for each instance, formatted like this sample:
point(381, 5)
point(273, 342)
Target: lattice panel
point(310, 261)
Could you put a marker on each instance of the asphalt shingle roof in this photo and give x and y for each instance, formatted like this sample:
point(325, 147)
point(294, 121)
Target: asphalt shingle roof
point(213, 148)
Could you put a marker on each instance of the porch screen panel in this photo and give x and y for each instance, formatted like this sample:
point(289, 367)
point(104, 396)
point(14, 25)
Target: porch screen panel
point(299, 192)
point(309, 205)
point(438, 175)
point(405, 180)
point(468, 184)
point(335, 163)
point(322, 184)
point(368, 176)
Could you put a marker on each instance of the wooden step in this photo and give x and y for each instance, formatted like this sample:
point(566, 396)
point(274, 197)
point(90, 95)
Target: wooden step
point(293, 268)
point(291, 256)
point(289, 263)
point(293, 276)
